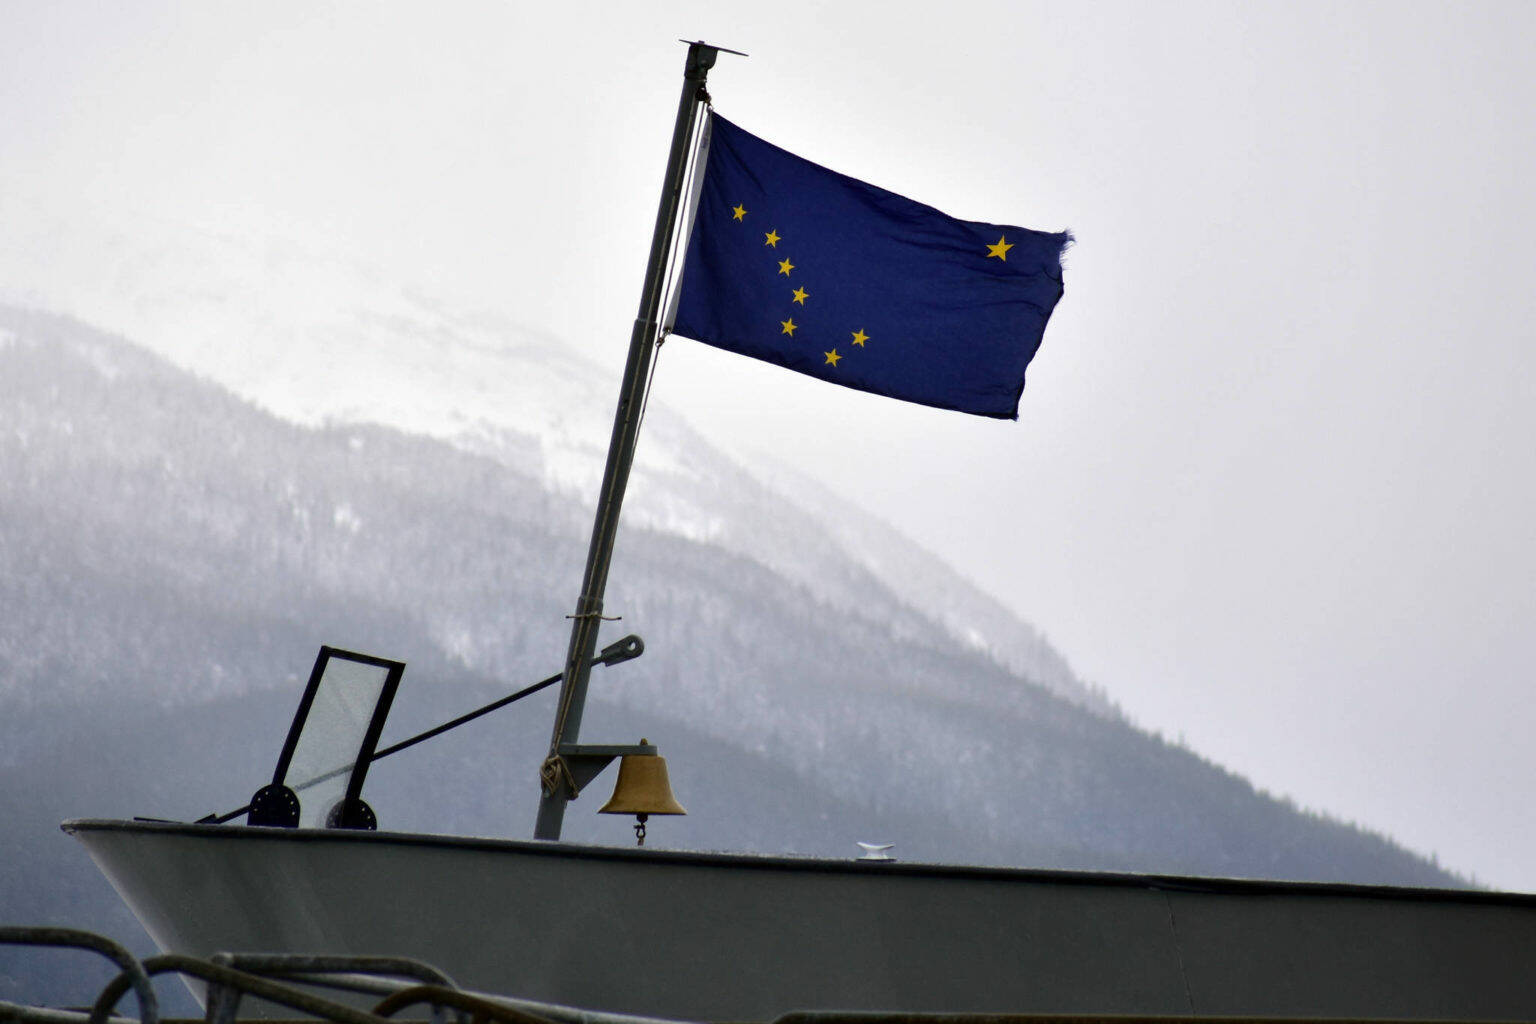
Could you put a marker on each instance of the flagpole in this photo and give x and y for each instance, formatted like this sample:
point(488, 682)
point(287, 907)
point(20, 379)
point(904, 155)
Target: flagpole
point(557, 782)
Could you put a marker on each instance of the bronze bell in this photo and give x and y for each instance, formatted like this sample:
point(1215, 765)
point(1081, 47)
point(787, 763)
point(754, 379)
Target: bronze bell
point(642, 790)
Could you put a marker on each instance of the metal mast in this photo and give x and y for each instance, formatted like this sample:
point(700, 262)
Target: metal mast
point(559, 777)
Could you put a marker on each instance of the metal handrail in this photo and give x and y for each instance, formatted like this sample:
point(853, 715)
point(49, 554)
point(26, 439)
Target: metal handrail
point(484, 1010)
point(368, 975)
point(304, 963)
point(132, 973)
point(561, 1013)
point(240, 981)
point(38, 1014)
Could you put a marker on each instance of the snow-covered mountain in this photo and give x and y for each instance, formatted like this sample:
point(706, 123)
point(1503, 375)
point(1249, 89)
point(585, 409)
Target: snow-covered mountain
point(316, 338)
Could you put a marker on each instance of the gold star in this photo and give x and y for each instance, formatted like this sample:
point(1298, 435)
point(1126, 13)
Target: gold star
point(771, 238)
point(1000, 250)
point(832, 357)
point(738, 212)
point(859, 337)
point(789, 326)
point(785, 267)
point(800, 294)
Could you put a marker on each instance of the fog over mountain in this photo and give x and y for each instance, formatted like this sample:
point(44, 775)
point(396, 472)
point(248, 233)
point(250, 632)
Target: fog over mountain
point(216, 456)
point(315, 340)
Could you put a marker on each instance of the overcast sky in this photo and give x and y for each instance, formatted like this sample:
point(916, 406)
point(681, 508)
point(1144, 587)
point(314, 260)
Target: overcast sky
point(1272, 480)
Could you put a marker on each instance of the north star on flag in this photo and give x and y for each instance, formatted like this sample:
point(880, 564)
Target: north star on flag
point(798, 265)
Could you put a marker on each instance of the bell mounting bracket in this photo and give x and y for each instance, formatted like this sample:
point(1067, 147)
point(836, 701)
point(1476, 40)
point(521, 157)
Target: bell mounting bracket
point(587, 761)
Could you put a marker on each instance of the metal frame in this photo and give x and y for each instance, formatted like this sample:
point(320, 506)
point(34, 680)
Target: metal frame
point(273, 977)
point(364, 756)
point(132, 974)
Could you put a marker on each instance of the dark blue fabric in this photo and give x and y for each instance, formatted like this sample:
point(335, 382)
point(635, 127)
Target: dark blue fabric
point(941, 321)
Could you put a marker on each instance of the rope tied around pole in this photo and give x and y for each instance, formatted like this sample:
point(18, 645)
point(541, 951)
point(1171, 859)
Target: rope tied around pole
point(554, 773)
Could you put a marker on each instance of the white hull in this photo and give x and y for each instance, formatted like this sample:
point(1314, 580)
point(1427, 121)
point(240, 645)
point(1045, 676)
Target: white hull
point(727, 937)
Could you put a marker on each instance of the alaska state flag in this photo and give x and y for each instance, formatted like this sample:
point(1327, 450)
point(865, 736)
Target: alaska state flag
point(798, 265)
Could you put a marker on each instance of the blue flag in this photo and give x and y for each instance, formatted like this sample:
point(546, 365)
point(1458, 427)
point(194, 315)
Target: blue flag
point(798, 265)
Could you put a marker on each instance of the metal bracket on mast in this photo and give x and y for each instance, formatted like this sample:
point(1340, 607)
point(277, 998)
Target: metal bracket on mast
point(587, 762)
point(559, 785)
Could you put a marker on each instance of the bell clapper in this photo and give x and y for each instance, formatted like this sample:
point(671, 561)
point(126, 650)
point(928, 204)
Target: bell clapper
point(640, 829)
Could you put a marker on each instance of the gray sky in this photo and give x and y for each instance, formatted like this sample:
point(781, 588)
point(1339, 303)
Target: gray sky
point(1272, 481)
